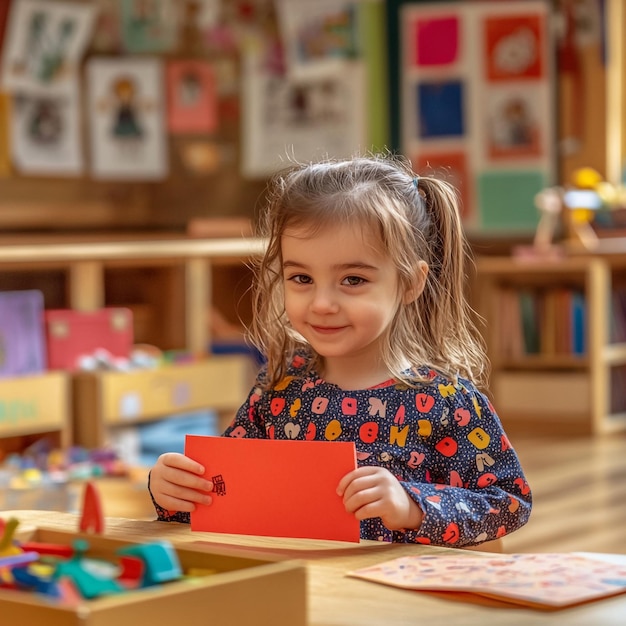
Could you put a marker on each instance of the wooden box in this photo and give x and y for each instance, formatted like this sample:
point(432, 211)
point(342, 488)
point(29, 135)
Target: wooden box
point(36, 404)
point(107, 399)
point(243, 590)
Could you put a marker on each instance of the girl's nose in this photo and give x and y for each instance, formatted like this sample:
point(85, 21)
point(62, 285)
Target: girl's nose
point(324, 301)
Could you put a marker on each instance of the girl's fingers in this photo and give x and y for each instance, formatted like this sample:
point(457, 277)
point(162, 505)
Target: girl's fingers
point(185, 479)
point(180, 494)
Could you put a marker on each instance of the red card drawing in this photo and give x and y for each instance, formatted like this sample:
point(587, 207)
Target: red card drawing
point(192, 97)
point(280, 488)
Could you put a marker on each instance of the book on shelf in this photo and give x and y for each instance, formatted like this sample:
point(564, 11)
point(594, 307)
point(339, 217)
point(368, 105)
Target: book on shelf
point(579, 323)
point(548, 322)
point(529, 310)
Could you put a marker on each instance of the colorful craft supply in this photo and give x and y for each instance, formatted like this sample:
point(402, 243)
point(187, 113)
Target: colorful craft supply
point(92, 518)
point(160, 561)
point(89, 580)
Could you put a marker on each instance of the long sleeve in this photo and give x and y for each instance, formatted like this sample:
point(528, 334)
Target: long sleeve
point(441, 439)
point(476, 489)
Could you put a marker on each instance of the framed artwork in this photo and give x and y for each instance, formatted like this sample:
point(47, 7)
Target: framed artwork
point(46, 137)
point(149, 25)
point(125, 103)
point(286, 120)
point(44, 44)
point(317, 35)
point(472, 101)
point(191, 97)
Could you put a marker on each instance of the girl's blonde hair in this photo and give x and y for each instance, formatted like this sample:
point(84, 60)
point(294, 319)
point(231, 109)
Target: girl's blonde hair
point(417, 219)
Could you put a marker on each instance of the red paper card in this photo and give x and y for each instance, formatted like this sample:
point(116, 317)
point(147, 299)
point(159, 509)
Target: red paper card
point(280, 488)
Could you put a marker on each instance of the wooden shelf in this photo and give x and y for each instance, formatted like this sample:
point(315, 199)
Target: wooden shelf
point(542, 392)
point(104, 400)
point(177, 276)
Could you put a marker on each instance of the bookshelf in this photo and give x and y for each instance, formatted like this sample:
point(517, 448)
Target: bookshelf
point(555, 331)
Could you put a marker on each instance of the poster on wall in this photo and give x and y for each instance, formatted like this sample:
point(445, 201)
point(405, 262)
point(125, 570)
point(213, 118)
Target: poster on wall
point(45, 137)
point(149, 25)
point(191, 97)
point(43, 46)
point(125, 103)
point(476, 104)
point(287, 120)
point(317, 35)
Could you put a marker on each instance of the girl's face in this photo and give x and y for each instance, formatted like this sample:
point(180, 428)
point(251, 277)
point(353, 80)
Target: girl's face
point(341, 294)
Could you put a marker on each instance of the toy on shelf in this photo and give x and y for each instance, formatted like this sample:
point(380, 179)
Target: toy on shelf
point(575, 208)
point(582, 201)
point(549, 201)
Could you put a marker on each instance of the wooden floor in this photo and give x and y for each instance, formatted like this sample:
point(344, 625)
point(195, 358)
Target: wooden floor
point(579, 494)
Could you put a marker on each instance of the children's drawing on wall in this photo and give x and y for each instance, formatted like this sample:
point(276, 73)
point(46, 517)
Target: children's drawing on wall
point(317, 35)
point(149, 25)
point(514, 124)
point(191, 97)
point(46, 134)
point(126, 107)
point(107, 35)
point(44, 44)
point(286, 119)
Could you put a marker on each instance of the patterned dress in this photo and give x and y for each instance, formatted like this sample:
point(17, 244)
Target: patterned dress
point(442, 440)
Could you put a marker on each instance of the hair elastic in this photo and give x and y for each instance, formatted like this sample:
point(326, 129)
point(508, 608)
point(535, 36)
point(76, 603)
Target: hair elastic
point(415, 181)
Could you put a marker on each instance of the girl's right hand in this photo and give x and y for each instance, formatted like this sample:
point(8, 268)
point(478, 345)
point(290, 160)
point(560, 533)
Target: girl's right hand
point(176, 483)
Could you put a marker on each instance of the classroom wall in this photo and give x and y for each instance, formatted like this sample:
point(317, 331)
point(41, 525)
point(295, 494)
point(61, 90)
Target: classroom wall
point(49, 203)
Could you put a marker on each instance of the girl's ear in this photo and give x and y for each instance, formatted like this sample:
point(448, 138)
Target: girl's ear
point(418, 283)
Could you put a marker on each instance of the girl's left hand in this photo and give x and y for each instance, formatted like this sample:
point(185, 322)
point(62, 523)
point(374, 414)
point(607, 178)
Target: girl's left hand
point(373, 491)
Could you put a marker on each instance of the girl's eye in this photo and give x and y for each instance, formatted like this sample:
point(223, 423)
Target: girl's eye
point(353, 281)
point(300, 279)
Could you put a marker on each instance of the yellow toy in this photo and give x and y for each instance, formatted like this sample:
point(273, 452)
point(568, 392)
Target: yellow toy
point(583, 200)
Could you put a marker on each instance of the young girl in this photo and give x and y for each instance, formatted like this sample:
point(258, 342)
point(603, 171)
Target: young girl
point(361, 314)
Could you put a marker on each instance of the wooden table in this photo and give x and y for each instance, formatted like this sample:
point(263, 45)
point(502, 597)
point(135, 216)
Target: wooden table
point(334, 598)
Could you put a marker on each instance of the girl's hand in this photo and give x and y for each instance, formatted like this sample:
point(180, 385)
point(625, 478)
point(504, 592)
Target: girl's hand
point(375, 492)
point(176, 483)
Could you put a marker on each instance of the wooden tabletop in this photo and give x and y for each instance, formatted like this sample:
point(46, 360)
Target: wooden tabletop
point(334, 598)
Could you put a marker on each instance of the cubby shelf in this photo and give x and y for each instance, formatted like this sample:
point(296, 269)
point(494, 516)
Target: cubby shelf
point(553, 389)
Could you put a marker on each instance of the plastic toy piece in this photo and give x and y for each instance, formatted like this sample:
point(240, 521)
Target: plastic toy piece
point(132, 572)
point(82, 573)
point(20, 560)
point(160, 560)
point(50, 549)
point(25, 578)
point(91, 519)
point(7, 548)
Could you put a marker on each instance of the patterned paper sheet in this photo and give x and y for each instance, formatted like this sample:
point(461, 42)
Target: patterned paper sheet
point(547, 580)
